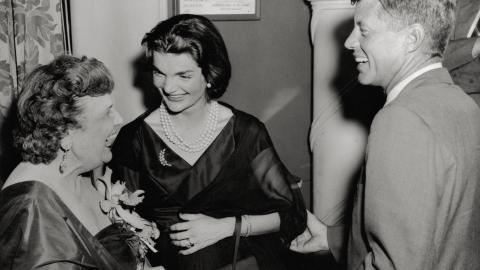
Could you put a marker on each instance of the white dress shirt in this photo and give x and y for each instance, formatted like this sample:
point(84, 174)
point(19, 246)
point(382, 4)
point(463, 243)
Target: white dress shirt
point(401, 85)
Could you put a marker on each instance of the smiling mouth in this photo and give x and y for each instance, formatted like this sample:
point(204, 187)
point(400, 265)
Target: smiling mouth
point(109, 143)
point(111, 138)
point(361, 60)
point(175, 97)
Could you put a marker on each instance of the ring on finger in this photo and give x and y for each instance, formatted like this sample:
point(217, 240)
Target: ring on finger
point(190, 243)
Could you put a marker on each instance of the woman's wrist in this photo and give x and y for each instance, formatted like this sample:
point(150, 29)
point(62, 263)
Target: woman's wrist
point(227, 226)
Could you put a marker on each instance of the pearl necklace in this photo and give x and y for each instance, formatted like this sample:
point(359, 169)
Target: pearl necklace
point(201, 142)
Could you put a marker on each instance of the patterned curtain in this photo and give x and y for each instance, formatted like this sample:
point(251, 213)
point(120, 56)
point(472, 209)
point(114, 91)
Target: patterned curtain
point(32, 32)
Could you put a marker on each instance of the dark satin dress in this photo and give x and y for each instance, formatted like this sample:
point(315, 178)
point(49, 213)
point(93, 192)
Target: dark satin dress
point(37, 230)
point(239, 173)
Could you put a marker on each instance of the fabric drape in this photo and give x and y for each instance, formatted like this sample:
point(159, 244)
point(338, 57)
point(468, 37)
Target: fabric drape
point(39, 231)
point(239, 173)
point(31, 34)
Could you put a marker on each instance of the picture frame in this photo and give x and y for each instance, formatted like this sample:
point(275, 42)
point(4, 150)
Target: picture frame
point(219, 10)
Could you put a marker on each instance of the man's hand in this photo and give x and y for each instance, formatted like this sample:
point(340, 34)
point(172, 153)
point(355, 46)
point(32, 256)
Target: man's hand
point(313, 239)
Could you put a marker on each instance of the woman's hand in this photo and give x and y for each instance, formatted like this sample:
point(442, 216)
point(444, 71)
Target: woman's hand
point(199, 231)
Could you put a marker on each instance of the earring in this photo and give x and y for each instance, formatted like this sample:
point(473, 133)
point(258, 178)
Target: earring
point(209, 85)
point(63, 163)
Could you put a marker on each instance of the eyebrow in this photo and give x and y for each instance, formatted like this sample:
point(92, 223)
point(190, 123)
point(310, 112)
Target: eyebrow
point(154, 68)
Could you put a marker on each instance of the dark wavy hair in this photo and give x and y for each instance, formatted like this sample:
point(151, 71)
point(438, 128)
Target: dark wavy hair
point(197, 36)
point(47, 106)
point(436, 16)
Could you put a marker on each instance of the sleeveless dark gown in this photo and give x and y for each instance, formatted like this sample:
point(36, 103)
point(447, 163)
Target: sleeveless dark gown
point(37, 230)
point(239, 173)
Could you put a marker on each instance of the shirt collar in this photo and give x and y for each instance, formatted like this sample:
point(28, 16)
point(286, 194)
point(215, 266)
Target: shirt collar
point(401, 85)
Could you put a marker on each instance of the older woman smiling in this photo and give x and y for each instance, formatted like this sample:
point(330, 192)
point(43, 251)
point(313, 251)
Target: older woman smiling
point(49, 211)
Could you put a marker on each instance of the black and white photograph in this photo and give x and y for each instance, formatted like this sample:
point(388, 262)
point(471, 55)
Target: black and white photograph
point(240, 134)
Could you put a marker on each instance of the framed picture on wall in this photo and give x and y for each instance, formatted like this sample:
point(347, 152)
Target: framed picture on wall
point(220, 10)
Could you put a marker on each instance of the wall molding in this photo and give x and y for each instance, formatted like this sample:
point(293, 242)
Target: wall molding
point(331, 4)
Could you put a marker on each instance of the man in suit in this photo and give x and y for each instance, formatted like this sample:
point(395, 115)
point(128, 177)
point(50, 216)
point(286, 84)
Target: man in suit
point(461, 57)
point(417, 204)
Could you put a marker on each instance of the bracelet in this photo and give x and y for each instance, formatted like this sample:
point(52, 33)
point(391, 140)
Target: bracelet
point(248, 226)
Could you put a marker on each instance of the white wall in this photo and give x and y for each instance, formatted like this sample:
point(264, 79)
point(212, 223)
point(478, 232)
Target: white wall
point(111, 30)
point(271, 77)
point(341, 114)
point(271, 62)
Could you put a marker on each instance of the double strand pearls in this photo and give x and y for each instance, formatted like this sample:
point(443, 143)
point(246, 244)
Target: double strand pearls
point(201, 142)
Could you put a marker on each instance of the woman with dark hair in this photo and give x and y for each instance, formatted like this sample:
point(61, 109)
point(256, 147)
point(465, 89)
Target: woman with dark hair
point(50, 213)
point(214, 183)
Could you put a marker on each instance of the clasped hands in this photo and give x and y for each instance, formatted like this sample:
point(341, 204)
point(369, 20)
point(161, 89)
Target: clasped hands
point(313, 239)
point(198, 231)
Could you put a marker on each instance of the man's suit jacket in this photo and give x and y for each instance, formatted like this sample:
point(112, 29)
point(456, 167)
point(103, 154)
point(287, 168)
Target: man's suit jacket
point(417, 206)
point(458, 58)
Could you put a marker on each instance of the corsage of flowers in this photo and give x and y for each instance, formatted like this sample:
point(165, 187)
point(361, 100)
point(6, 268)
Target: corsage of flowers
point(119, 205)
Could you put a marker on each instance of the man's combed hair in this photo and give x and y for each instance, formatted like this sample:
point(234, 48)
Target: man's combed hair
point(197, 36)
point(436, 16)
point(47, 106)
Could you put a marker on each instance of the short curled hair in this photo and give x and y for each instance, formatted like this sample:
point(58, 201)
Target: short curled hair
point(436, 16)
point(197, 36)
point(47, 106)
